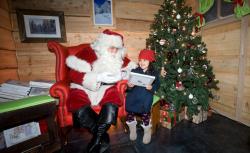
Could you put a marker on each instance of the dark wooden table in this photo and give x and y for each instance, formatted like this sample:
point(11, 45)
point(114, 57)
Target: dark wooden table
point(47, 142)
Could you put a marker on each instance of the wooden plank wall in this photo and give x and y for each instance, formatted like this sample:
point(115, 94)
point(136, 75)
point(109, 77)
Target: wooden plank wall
point(132, 19)
point(245, 115)
point(36, 62)
point(231, 68)
point(8, 61)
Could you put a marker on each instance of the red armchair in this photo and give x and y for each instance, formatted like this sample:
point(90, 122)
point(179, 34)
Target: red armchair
point(61, 88)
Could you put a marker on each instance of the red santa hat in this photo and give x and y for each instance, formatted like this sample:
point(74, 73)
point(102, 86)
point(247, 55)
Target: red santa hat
point(147, 55)
point(107, 39)
point(110, 33)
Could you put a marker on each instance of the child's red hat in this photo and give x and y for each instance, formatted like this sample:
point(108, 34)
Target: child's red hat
point(147, 55)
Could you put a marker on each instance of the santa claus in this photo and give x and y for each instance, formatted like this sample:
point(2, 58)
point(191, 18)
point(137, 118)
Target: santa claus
point(93, 75)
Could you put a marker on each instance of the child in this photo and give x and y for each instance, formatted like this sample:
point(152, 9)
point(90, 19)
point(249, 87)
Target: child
point(139, 99)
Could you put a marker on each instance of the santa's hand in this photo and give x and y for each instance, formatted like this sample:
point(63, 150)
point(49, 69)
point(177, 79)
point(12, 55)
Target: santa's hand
point(107, 77)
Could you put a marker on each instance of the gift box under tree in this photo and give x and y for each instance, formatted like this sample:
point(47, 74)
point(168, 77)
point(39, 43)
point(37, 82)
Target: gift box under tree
point(168, 115)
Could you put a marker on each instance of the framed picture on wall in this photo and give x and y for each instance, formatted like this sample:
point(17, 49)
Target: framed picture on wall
point(103, 12)
point(40, 26)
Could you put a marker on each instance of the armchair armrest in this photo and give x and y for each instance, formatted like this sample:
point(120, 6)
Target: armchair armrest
point(61, 90)
point(121, 87)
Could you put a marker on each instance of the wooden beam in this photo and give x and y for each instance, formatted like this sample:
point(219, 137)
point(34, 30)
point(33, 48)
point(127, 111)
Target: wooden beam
point(5, 19)
point(242, 66)
point(4, 4)
point(6, 40)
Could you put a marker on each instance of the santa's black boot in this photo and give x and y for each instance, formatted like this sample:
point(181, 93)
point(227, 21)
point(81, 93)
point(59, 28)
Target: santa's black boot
point(107, 116)
point(86, 117)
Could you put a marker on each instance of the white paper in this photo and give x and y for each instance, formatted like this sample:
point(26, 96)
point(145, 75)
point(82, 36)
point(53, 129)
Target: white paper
point(21, 133)
point(140, 79)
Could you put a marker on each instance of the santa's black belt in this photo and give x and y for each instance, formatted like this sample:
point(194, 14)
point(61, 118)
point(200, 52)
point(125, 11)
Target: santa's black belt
point(108, 83)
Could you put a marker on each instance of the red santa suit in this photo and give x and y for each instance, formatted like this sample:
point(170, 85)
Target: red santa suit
point(85, 67)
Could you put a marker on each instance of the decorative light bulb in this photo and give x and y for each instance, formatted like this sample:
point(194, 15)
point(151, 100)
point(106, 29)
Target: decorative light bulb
point(178, 16)
point(190, 96)
point(179, 70)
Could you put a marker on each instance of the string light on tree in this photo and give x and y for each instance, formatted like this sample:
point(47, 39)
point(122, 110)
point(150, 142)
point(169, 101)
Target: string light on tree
point(205, 67)
point(178, 16)
point(193, 33)
point(162, 41)
point(190, 96)
point(179, 70)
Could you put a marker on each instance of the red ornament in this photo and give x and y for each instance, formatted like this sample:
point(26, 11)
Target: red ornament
point(179, 86)
point(200, 16)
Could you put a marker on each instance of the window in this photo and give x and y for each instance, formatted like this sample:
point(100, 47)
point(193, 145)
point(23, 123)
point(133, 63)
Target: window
point(219, 10)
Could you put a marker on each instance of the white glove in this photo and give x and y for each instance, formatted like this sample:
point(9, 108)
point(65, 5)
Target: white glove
point(107, 77)
point(125, 74)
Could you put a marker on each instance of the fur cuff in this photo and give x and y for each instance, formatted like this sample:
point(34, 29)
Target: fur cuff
point(90, 82)
point(131, 65)
point(78, 64)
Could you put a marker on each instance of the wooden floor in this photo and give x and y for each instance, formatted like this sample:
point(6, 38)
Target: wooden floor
point(216, 135)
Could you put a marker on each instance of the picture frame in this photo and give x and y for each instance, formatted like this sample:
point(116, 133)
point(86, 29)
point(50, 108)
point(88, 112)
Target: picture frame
point(103, 12)
point(39, 26)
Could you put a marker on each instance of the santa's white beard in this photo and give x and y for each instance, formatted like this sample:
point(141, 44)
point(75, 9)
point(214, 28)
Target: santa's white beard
point(108, 63)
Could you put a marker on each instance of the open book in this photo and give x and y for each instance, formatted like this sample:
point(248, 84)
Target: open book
point(140, 79)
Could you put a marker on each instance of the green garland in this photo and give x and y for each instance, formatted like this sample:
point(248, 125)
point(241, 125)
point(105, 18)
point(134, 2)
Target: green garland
point(241, 7)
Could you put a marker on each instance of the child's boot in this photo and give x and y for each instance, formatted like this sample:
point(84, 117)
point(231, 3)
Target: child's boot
point(147, 133)
point(132, 130)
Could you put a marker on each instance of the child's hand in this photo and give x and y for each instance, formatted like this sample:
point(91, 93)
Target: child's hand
point(131, 85)
point(163, 72)
point(149, 87)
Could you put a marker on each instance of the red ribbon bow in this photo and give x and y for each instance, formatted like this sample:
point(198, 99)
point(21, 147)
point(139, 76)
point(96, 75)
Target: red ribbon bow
point(199, 15)
point(239, 2)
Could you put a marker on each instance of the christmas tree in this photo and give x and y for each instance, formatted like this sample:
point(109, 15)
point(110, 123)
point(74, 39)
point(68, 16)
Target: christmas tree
point(182, 54)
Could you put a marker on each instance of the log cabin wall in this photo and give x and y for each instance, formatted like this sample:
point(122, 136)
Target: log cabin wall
point(228, 50)
point(132, 18)
point(8, 61)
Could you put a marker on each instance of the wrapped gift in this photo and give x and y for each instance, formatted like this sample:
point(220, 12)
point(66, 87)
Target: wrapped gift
point(200, 117)
point(168, 115)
